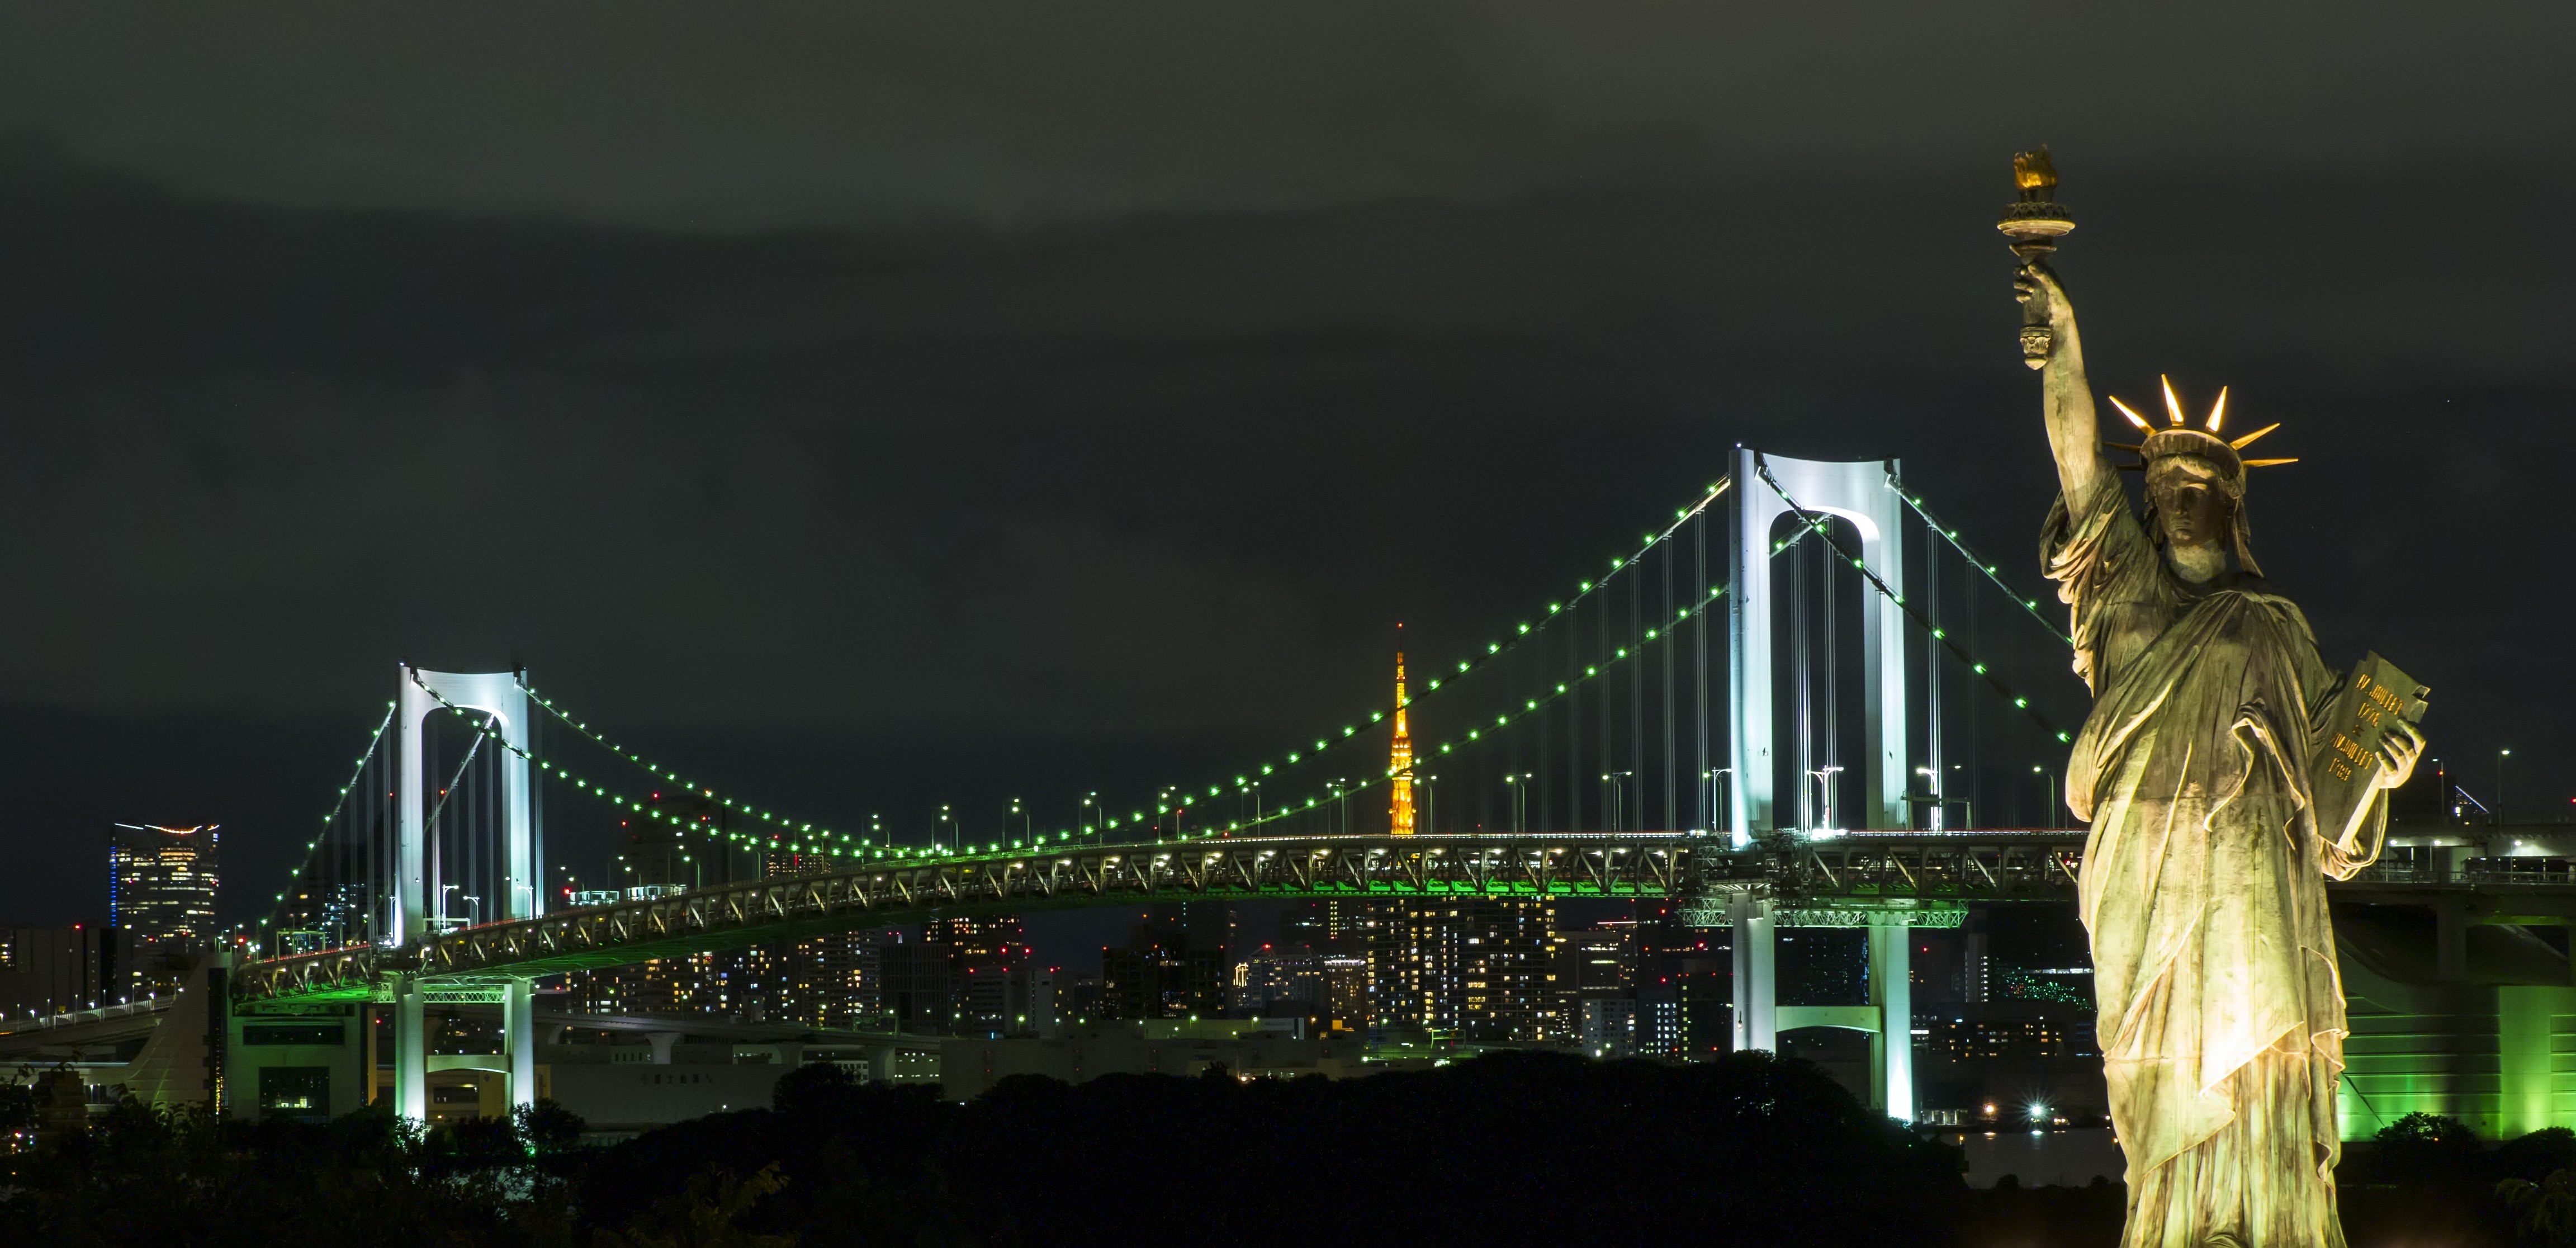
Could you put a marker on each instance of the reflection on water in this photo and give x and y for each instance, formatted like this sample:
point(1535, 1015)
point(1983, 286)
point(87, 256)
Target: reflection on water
point(2069, 1158)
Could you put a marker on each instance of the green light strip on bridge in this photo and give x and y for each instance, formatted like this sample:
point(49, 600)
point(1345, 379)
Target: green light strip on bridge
point(787, 826)
point(1532, 706)
point(862, 849)
point(1295, 758)
point(1951, 536)
point(1493, 652)
point(314, 846)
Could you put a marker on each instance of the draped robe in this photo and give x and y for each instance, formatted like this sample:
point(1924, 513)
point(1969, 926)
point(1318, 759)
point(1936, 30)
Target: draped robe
point(2221, 1011)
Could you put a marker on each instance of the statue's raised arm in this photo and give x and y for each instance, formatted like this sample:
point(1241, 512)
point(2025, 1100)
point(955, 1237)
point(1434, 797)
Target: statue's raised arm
point(2066, 398)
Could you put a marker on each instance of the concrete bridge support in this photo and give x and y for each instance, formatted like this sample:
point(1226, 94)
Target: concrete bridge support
point(1888, 1018)
point(519, 1043)
point(411, 1052)
point(1756, 1000)
point(1891, 990)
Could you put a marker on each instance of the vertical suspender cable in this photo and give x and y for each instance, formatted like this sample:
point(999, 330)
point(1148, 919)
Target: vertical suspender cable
point(1671, 655)
point(1632, 811)
point(537, 823)
point(1609, 735)
point(1708, 812)
point(1805, 678)
point(1830, 571)
point(1976, 729)
point(1939, 788)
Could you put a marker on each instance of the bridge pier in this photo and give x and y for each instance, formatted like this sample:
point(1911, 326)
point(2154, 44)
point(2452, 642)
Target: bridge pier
point(411, 1051)
point(1891, 989)
point(519, 1043)
point(1756, 999)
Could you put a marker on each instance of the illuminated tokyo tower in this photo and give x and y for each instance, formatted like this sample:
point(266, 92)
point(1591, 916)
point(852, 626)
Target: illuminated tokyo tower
point(1399, 764)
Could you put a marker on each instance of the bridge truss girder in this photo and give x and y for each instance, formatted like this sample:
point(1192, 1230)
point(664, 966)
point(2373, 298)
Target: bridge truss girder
point(1861, 870)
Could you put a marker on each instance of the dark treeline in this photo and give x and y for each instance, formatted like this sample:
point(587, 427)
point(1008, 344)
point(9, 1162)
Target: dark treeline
point(1519, 1148)
point(1516, 1148)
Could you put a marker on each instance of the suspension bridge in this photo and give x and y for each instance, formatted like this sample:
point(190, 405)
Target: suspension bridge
point(1777, 709)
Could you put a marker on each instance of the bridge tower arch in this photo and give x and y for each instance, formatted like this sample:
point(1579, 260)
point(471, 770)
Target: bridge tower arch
point(1859, 492)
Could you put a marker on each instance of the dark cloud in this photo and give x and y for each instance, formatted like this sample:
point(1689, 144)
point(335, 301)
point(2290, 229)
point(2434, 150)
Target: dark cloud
point(767, 114)
point(879, 409)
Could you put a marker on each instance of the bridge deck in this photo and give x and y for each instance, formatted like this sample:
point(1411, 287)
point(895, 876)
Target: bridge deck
point(1821, 875)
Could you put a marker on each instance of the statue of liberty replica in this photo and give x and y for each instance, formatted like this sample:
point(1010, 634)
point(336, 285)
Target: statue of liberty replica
point(2223, 786)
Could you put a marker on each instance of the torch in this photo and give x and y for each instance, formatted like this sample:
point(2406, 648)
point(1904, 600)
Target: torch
point(2031, 225)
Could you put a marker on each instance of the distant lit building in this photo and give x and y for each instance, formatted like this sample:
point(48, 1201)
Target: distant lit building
point(1174, 965)
point(54, 970)
point(834, 981)
point(1607, 1026)
point(1476, 967)
point(1685, 985)
point(326, 906)
point(1277, 983)
point(161, 899)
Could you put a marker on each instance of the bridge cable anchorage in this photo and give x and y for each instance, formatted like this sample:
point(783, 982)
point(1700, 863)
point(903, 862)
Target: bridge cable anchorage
point(1494, 652)
point(313, 848)
point(1951, 536)
point(1868, 574)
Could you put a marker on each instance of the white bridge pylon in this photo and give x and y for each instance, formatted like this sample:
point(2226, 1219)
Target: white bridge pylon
point(1858, 492)
point(504, 696)
point(1861, 493)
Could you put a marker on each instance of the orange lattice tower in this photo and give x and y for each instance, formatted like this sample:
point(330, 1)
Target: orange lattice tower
point(1399, 764)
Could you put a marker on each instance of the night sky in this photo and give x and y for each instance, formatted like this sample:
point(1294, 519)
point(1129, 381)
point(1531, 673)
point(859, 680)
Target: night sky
point(878, 406)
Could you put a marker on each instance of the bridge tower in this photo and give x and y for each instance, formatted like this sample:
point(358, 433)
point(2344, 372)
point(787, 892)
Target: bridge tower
point(1859, 492)
point(504, 697)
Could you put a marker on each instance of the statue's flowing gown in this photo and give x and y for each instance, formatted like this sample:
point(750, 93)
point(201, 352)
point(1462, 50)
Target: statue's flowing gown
point(2203, 887)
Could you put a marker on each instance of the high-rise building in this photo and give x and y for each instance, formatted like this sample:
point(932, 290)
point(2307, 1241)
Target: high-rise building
point(325, 906)
point(161, 899)
point(833, 981)
point(1685, 981)
point(1475, 967)
point(1399, 764)
point(989, 963)
point(54, 970)
point(1173, 966)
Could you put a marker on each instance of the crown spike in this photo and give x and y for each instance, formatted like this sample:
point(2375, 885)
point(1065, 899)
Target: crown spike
point(2218, 410)
point(2173, 406)
point(2248, 439)
point(2266, 463)
point(2134, 418)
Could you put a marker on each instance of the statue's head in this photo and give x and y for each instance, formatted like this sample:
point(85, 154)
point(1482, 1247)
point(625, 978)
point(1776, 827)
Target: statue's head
point(2194, 498)
point(2196, 481)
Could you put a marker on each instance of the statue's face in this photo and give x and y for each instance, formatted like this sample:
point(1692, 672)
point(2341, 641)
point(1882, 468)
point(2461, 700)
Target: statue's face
point(2192, 510)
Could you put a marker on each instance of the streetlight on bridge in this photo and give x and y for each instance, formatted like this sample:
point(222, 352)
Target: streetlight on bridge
point(1519, 786)
point(1614, 788)
point(1718, 814)
point(1825, 790)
